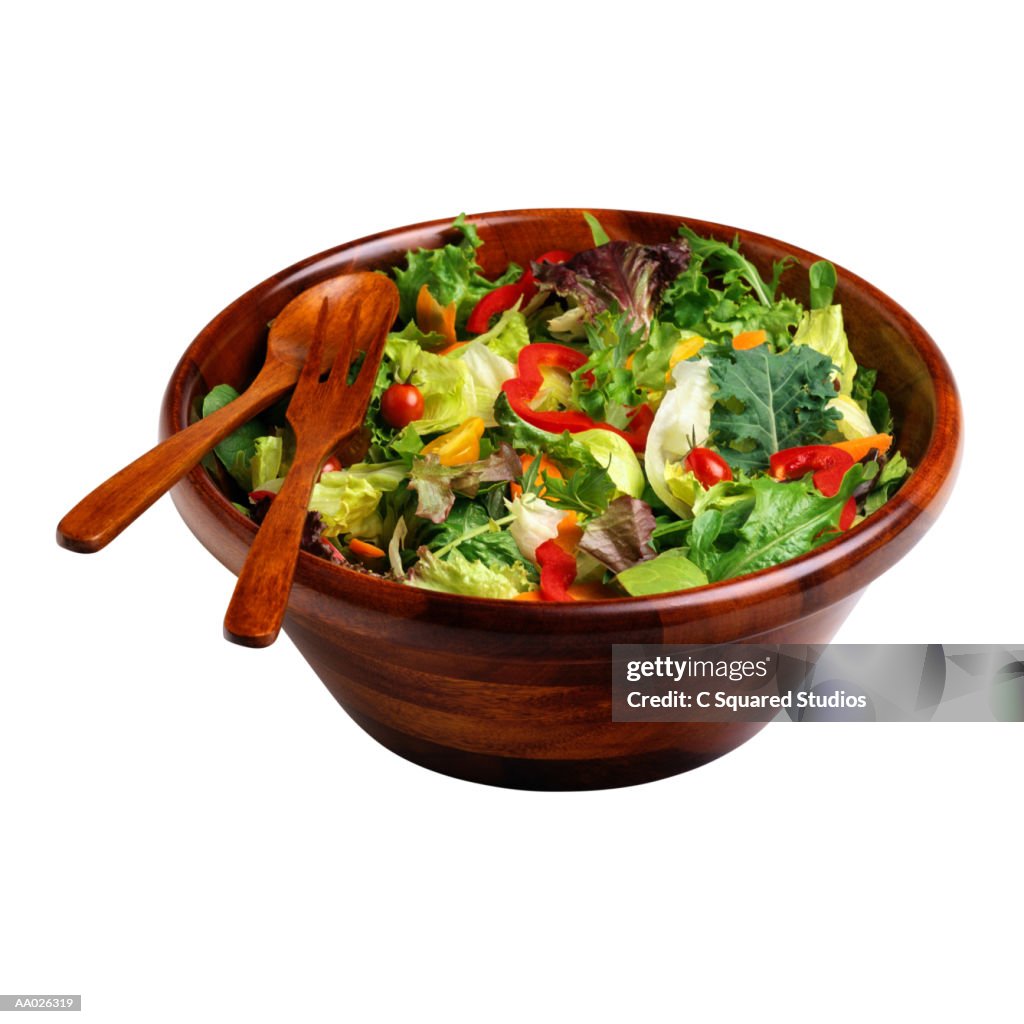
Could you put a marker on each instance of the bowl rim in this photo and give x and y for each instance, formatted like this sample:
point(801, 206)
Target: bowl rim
point(847, 556)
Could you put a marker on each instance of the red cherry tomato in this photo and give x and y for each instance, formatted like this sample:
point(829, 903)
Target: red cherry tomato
point(401, 404)
point(708, 467)
point(332, 465)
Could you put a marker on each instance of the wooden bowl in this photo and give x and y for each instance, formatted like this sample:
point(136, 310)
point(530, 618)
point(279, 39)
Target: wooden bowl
point(519, 694)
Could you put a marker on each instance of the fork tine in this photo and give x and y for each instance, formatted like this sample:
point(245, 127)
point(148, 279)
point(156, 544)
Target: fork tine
point(310, 374)
point(346, 334)
point(372, 354)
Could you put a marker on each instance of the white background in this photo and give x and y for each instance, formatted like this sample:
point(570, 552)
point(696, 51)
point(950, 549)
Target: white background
point(193, 831)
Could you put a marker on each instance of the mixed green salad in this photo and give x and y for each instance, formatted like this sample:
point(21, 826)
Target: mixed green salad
point(627, 420)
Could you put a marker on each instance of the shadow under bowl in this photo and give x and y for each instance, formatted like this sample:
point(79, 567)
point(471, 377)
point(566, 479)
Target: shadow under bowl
point(519, 694)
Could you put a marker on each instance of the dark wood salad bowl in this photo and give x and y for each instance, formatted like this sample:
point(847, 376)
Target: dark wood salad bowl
point(518, 694)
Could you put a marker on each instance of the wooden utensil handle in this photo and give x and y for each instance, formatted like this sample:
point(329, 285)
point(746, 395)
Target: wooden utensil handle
point(260, 598)
point(100, 516)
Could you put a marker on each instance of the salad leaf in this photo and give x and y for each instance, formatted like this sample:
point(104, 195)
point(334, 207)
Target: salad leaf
point(447, 386)
point(822, 329)
point(769, 401)
point(733, 265)
point(471, 529)
point(874, 401)
point(625, 276)
point(266, 462)
point(534, 521)
point(669, 571)
point(788, 519)
point(238, 448)
point(436, 484)
point(523, 437)
point(457, 574)
point(893, 474)
point(599, 233)
point(587, 489)
point(489, 371)
point(683, 419)
point(823, 283)
point(665, 345)
point(604, 387)
point(621, 537)
point(854, 421)
point(452, 274)
point(508, 336)
point(613, 453)
point(744, 302)
point(348, 498)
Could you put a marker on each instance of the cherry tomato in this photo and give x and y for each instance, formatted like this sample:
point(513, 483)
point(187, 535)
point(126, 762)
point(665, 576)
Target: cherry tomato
point(332, 465)
point(707, 466)
point(401, 404)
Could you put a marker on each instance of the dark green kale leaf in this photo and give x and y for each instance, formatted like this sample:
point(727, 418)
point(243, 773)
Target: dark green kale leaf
point(769, 401)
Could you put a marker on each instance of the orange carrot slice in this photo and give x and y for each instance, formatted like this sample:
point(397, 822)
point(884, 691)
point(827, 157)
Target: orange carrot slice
point(365, 551)
point(749, 339)
point(859, 447)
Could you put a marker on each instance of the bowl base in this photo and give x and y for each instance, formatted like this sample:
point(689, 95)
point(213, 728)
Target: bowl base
point(548, 775)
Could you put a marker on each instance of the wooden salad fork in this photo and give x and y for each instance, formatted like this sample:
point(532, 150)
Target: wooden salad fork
point(323, 413)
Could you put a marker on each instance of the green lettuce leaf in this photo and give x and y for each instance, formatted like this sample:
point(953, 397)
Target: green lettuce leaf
point(447, 386)
point(348, 498)
point(470, 528)
point(237, 449)
point(787, 520)
point(890, 479)
point(457, 574)
point(668, 572)
point(452, 274)
point(266, 463)
point(822, 329)
point(738, 300)
point(683, 419)
point(508, 336)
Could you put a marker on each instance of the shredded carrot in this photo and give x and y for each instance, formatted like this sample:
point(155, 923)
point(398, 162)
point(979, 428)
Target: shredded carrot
point(433, 318)
point(528, 595)
point(365, 551)
point(861, 446)
point(454, 347)
point(749, 339)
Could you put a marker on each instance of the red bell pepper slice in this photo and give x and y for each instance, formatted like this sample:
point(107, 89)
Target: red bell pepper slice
point(492, 304)
point(557, 571)
point(505, 297)
point(849, 513)
point(828, 464)
point(523, 389)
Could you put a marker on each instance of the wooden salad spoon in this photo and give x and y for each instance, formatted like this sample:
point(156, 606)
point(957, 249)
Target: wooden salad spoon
point(99, 517)
point(322, 414)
